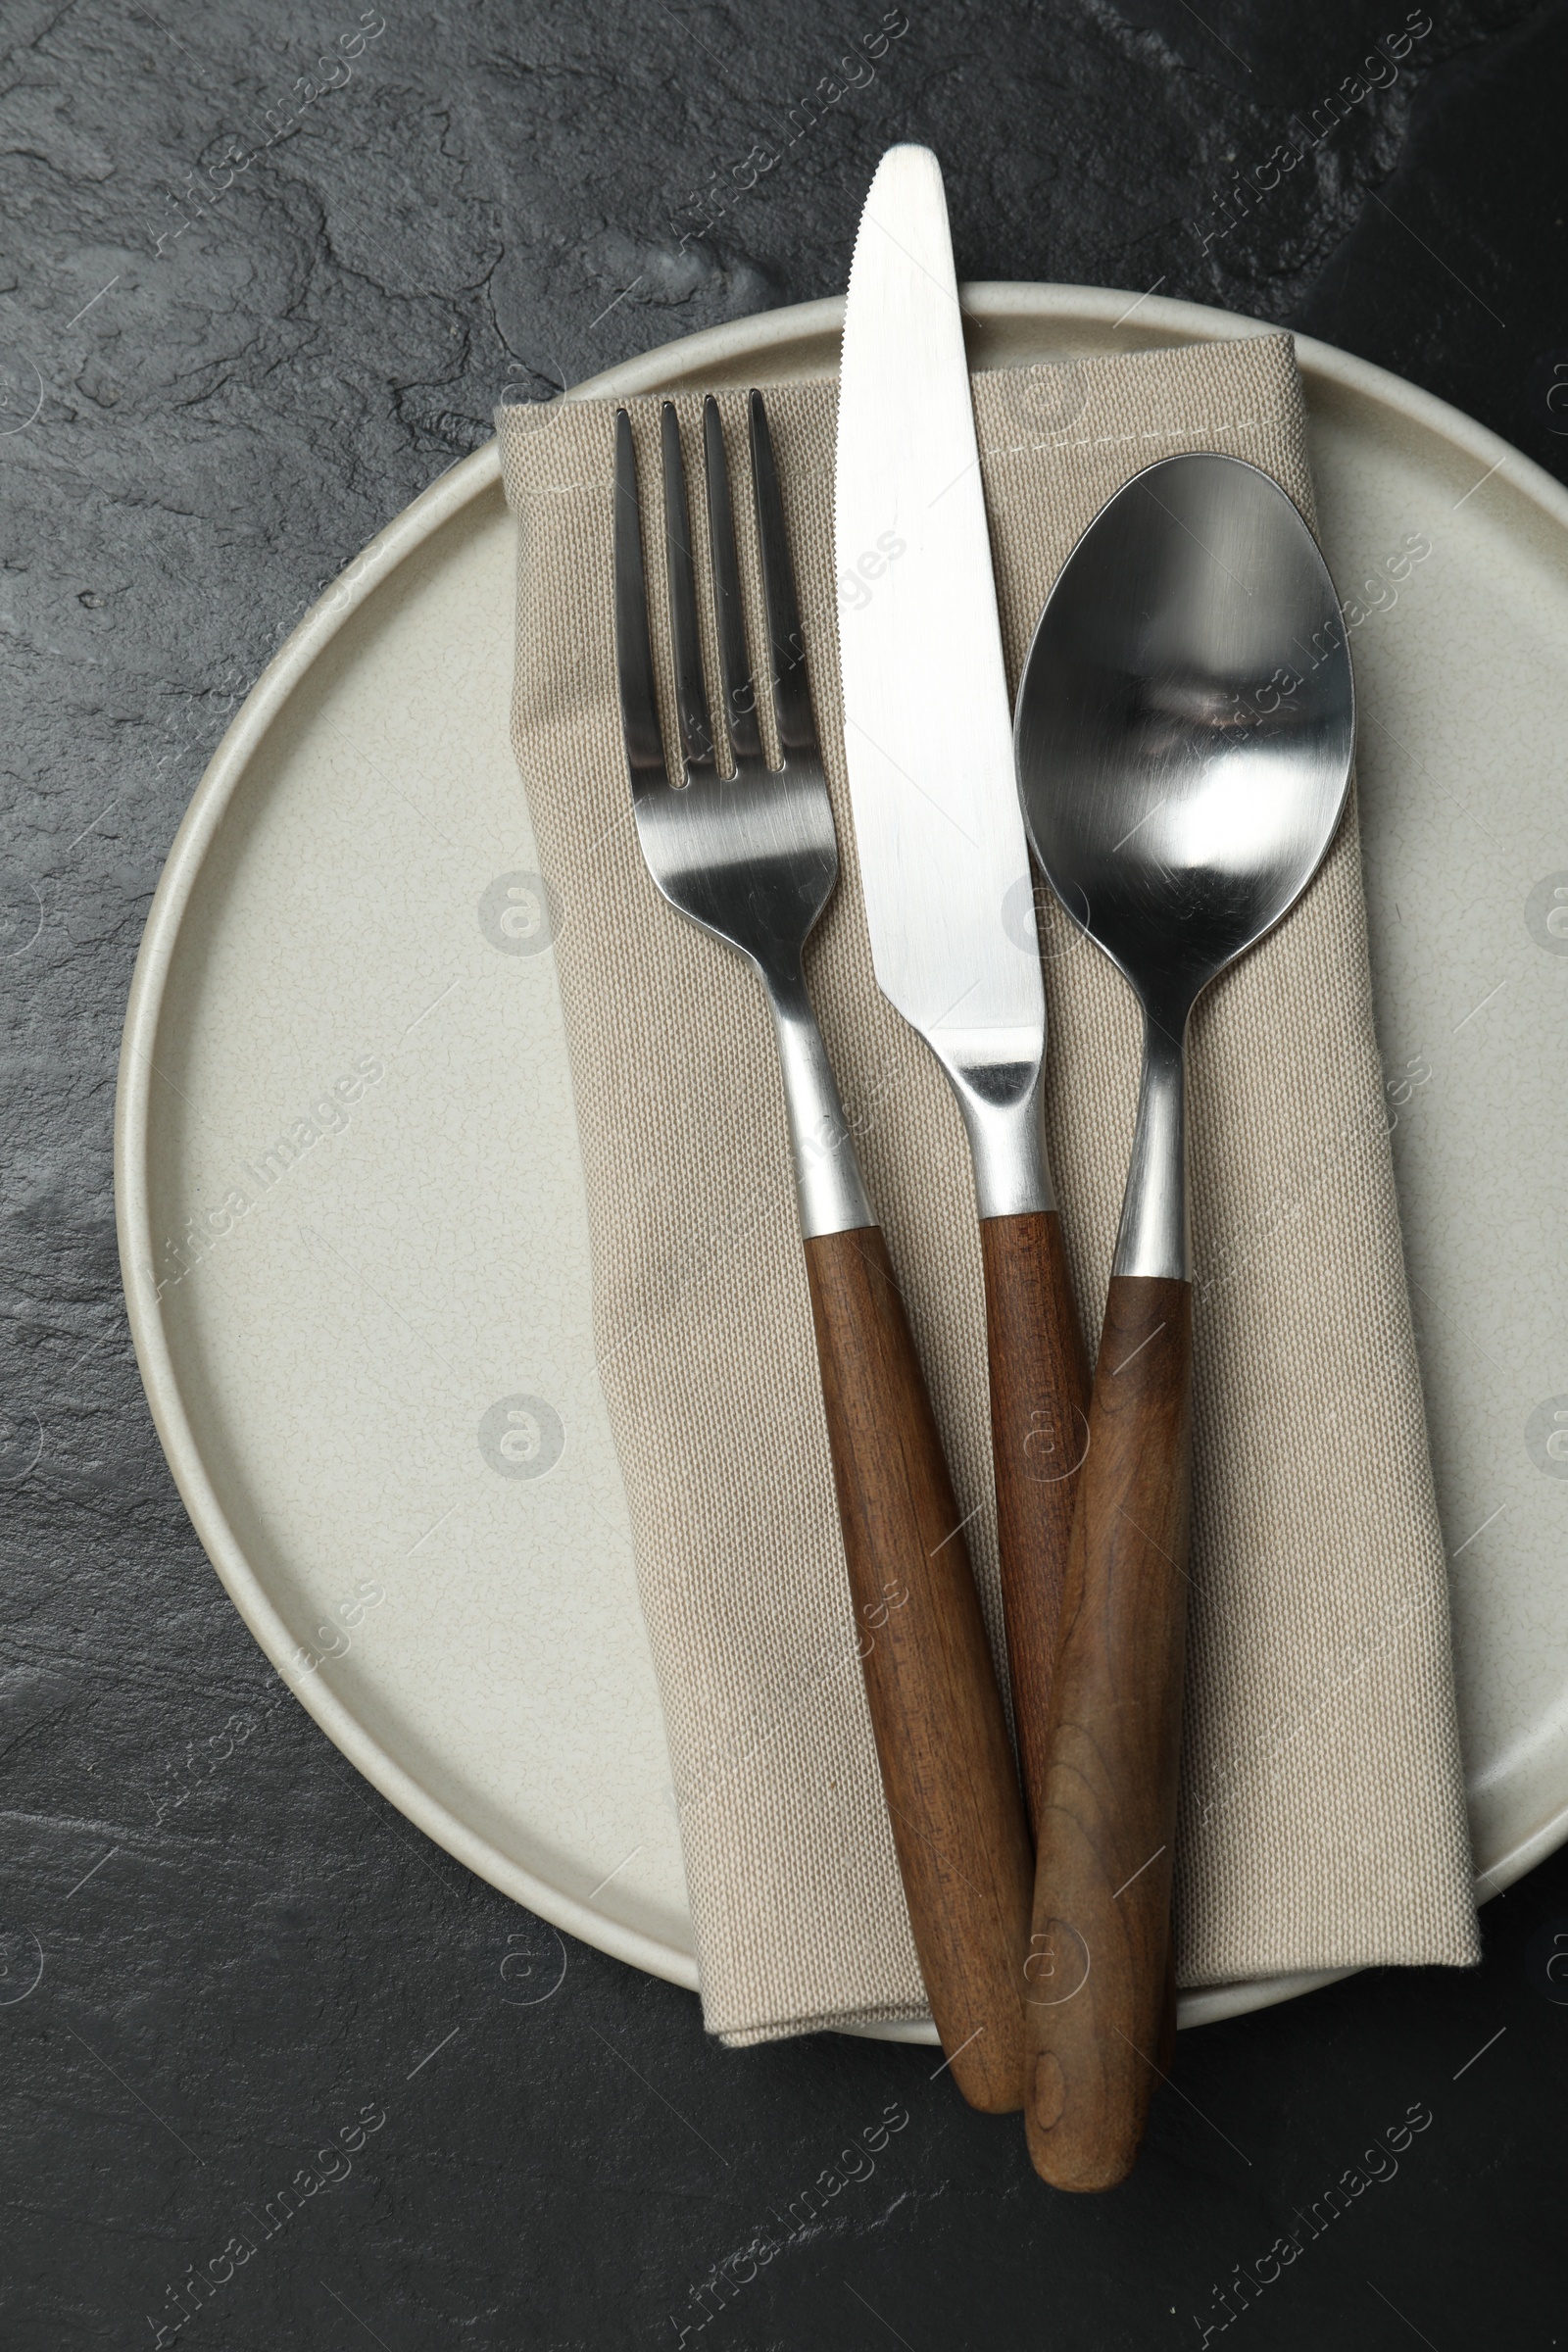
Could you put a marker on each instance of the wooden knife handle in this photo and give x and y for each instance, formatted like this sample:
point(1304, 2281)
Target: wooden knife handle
point(1101, 1939)
point(1039, 1436)
point(936, 1711)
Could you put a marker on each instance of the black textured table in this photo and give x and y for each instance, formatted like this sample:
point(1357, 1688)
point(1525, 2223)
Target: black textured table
point(215, 386)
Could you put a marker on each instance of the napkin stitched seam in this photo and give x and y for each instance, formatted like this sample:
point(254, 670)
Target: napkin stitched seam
point(1170, 433)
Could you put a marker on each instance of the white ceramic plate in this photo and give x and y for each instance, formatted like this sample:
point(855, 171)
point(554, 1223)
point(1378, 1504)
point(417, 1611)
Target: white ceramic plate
point(350, 1199)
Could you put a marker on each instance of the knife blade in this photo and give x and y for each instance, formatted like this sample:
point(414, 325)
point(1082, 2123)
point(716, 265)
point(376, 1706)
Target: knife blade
point(943, 860)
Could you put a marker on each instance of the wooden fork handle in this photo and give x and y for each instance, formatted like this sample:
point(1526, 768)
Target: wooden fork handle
point(1101, 1939)
point(936, 1711)
point(1039, 1437)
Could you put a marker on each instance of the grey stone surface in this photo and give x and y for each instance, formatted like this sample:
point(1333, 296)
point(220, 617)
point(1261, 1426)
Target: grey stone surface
point(210, 397)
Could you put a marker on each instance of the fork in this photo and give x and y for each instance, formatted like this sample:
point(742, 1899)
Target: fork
point(752, 855)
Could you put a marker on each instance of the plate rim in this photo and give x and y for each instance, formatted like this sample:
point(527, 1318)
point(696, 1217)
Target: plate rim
point(685, 360)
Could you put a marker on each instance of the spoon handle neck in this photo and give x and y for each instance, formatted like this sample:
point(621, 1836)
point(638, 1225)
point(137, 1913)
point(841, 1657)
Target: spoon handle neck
point(1153, 1236)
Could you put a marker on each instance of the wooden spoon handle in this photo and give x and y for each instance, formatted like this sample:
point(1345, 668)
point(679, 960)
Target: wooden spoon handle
point(1102, 1919)
point(1039, 1436)
point(941, 1736)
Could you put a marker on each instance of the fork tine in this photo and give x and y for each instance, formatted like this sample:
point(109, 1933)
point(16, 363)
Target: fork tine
point(791, 694)
point(734, 656)
point(634, 654)
point(691, 694)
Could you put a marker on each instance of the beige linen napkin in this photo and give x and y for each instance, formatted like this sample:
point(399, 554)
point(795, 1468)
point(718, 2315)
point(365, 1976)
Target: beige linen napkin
point(1322, 1815)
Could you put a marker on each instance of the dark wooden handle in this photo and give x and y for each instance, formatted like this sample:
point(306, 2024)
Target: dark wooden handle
point(1101, 1939)
point(1039, 1437)
point(940, 1736)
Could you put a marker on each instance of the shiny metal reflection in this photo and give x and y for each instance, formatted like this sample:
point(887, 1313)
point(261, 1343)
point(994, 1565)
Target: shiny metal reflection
point(1184, 738)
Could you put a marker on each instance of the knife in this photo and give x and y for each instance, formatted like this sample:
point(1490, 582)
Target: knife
point(944, 865)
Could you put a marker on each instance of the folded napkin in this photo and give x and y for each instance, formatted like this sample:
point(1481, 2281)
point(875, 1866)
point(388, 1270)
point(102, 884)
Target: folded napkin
point(1322, 1814)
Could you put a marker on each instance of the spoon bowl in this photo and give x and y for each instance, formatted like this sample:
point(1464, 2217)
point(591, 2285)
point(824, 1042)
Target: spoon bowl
point(1184, 738)
point(1184, 729)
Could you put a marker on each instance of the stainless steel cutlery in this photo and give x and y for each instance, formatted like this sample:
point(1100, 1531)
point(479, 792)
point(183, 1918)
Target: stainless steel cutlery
point(1184, 760)
point(943, 862)
point(749, 853)
point(1182, 752)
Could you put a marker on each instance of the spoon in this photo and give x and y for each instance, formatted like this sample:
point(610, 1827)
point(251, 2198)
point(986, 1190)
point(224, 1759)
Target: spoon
point(1184, 740)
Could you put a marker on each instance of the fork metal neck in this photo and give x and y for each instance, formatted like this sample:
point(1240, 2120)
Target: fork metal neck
point(827, 1174)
